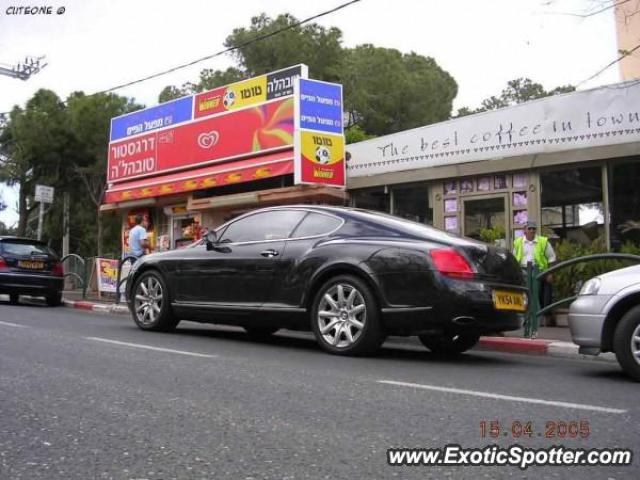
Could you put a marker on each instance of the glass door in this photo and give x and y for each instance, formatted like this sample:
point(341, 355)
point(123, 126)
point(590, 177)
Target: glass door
point(485, 218)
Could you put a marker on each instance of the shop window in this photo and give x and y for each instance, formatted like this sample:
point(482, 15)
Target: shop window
point(572, 207)
point(624, 195)
point(274, 225)
point(412, 203)
point(371, 199)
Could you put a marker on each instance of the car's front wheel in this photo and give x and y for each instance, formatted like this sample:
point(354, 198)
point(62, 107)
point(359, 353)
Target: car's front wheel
point(13, 299)
point(150, 303)
point(626, 343)
point(345, 317)
point(451, 344)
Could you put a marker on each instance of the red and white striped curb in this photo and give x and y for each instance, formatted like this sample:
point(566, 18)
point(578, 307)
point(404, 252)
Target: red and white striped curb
point(97, 307)
point(550, 348)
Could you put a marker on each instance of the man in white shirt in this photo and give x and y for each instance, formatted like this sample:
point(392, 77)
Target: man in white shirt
point(538, 250)
point(138, 238)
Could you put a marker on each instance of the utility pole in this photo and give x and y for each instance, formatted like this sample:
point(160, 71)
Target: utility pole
point(65, 224)
point(23, 71)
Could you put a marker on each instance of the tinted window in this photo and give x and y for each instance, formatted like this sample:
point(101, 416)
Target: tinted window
point(24, 248)
point(273, 225)
point(316, 224)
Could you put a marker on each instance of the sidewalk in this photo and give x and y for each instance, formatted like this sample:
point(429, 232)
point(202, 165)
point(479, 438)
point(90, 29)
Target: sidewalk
point(551, 341)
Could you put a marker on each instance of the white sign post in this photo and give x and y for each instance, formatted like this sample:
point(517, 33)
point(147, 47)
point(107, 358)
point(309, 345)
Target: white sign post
point(44, 194)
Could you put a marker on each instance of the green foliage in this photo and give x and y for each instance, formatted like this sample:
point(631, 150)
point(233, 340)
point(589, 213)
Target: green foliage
point(356, 134)
point(490, 235)
point(318, 47)
point(64, 146)
point(385, 91)
point(518, 91)
point(568, 280)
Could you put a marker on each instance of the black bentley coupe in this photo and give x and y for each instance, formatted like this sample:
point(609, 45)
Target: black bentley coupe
point(351, 276)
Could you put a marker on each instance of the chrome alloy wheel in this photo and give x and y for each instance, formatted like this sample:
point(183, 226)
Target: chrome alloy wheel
point(635, 344)
point(148, 300)
point(342, 315)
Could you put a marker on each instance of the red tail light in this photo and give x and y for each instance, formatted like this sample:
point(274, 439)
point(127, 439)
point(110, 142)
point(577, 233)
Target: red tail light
point(451, 263)
point(58, 270)
point(3, 265)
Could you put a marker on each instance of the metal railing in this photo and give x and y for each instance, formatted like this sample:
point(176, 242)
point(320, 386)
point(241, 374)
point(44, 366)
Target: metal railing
point(82, 279)
point(120, 281)
point(534, 279)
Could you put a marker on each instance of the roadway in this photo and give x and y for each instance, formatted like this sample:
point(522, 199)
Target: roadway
point(86, 396)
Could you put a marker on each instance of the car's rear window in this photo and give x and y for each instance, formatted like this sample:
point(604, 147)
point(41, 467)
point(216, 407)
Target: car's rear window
point(24, 248)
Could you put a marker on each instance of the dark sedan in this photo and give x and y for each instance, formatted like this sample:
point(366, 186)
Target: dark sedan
point(351, 276)
point(30, 267)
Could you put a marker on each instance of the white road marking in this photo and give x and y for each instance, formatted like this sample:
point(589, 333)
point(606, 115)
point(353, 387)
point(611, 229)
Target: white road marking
point(17, 325)
point(510, 398)
point(149, 347)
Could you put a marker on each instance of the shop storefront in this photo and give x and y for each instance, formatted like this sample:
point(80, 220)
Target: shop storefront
point(198, 161)
point(569, 162)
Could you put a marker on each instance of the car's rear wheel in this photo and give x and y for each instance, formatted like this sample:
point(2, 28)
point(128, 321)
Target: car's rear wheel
point(13, 299)
point(150, 303)
point(626, 343)
point(260, 332)
point(345, 317)
point(54, 300)
point(450, 343)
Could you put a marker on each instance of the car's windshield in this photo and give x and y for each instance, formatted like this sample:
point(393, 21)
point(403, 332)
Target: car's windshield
point(24, 248)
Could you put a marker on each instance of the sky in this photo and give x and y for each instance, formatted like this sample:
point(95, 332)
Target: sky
point(98, 44)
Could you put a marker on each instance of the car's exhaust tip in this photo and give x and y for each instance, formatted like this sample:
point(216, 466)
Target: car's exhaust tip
point(464, 321)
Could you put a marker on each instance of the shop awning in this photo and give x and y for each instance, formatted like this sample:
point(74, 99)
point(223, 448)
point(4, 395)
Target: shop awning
point(227, 173)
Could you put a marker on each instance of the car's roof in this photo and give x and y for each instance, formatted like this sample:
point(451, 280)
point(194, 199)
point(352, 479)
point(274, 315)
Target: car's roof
point(21, 239)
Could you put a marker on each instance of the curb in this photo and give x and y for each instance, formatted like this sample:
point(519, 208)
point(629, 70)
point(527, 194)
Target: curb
point(526, 346)
point(110, 308)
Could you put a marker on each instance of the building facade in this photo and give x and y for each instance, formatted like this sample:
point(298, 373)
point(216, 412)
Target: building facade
point(570, 162)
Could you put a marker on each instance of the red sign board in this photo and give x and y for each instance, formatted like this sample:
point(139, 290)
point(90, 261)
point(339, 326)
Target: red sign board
point(244, 132)
point(246, 170)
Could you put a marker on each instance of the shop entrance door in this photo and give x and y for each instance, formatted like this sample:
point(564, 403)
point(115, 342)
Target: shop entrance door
point(484, 217)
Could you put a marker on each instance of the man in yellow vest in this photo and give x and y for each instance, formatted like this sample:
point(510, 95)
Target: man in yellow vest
point(538, 250)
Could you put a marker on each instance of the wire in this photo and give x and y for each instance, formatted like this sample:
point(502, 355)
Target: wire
point(222, 52)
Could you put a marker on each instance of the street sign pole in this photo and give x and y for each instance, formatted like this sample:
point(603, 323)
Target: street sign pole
point(40, 218)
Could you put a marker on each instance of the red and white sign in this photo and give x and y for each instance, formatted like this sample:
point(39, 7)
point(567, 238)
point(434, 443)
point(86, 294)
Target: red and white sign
point(252, 131)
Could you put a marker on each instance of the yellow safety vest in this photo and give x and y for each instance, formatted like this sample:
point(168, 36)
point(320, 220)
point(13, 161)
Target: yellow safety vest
point(539, 252)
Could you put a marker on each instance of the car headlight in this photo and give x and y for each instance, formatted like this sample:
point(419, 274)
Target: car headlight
point(590, 287)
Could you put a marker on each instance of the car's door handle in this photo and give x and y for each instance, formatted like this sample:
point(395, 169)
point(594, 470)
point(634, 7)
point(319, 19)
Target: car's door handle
point(270, 253)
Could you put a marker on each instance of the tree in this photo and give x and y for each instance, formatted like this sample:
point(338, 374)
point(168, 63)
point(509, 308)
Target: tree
point(35, 148)
point(518, 91)
point(90, 122)
point(64, 146)
point(318, 47)
point(385, 90)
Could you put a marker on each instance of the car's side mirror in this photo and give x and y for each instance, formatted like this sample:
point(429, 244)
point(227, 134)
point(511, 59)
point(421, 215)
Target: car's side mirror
point(210, 239)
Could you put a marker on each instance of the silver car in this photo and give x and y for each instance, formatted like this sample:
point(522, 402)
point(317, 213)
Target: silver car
point(606, 317)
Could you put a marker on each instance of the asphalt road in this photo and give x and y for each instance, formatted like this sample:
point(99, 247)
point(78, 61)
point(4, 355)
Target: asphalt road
point(81, 398)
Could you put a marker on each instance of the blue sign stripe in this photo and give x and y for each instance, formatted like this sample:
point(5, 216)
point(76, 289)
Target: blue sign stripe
point(163, 115)
point(320, 106)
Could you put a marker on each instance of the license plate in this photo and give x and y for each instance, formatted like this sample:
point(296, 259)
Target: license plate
point(504, 300)
point(31, 265)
